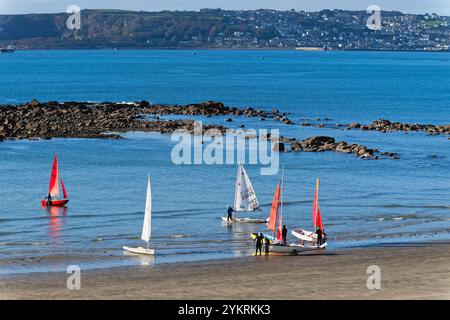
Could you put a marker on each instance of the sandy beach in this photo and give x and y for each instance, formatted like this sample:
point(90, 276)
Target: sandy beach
point(418, 271)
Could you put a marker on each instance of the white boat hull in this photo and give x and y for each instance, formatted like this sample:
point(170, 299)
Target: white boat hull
point(294, 248)
point(305, 235)
point(245, 220)
point(139, 250)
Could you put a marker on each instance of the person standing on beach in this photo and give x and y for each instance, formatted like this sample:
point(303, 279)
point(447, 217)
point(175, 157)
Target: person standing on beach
point(284, 234)
point(229, 214)
point(267, 246)
point(319, 236)
point(259, 242)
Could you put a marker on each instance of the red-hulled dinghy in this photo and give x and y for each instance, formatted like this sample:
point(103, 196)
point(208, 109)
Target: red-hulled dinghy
point(53, 198)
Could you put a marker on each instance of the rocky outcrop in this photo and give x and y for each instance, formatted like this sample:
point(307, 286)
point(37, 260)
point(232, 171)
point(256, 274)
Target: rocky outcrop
point(388, 126)
point(324, 143)
point(101, 120)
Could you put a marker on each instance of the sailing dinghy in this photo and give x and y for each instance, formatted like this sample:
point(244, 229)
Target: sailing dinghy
point(147, 225)
point(245, 199)
point(310, 236)
point(54, 196)
point(275, 223)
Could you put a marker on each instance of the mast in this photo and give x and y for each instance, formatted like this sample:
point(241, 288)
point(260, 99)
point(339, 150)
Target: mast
point(282, 190)
point(280, 218)
point(237, 190)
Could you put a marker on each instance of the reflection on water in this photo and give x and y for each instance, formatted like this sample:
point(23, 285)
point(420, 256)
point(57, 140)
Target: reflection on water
point(142, 259)
point(57, 218)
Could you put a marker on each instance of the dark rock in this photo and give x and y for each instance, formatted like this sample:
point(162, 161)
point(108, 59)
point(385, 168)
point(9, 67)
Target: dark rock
point(296, 146)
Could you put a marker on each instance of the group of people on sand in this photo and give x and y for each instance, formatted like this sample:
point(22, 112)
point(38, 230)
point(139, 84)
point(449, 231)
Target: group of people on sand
point(261, 239)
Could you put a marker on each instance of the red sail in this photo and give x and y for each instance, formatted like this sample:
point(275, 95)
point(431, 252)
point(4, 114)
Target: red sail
point(316, 203)
point(317, 217)
point(274, 210)
point(63, 189)
point(54, 185)
point(318, 222)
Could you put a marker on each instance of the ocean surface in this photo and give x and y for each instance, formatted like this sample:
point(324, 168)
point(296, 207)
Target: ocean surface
point(363, 203)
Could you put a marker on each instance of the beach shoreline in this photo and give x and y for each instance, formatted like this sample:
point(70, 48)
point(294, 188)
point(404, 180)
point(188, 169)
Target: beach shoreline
point(409, 271)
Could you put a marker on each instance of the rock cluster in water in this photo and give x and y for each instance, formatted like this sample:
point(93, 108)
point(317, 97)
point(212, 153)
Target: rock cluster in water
point(387, 126)
point(324, 143)
point(37, 120)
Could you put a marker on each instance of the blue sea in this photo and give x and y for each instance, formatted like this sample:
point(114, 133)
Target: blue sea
point(363, 203)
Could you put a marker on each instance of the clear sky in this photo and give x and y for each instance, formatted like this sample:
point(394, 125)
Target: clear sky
point(408, 6)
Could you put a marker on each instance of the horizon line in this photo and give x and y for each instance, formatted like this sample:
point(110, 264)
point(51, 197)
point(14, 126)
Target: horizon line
point(217, 9)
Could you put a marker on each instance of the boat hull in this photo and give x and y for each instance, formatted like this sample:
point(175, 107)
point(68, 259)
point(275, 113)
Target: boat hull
point(305, 235)
point(139, 250)
point(244, 220)
point(54, 203)
point(294, 249)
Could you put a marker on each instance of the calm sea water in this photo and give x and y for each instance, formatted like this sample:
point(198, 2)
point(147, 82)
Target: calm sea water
point(362, 202)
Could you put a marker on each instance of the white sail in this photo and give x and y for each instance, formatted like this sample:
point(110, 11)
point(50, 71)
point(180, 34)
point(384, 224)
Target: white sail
point(147, 228)
point(245, 197)
point(237, 192)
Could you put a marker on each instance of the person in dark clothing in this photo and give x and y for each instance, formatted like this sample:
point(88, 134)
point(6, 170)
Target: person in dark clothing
point(284, 234)
point(49, 200)
point(259, 242)
point(319, 236)
point(229, 214)
point(266, 246)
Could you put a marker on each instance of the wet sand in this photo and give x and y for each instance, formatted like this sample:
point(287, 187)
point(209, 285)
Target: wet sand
point(420, 271)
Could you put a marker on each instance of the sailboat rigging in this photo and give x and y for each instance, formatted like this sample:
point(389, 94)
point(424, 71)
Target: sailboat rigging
point(245, 199)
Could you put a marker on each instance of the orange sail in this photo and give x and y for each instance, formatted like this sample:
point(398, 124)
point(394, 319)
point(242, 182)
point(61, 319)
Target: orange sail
point(274, 210)
point(54, 179)
point(280, 223)
point(63, 189)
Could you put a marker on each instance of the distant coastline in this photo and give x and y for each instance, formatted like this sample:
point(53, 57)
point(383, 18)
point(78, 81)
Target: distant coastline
point(229, 29)
point(231, 49)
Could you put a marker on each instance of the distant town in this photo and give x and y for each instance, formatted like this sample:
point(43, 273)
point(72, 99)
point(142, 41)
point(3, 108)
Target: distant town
point(223, 29)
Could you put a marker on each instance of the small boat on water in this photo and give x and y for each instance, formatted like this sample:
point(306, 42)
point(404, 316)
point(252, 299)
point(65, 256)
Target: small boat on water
point(146, 227)
point(310, 237)
point(245, 199)
point(53, 199)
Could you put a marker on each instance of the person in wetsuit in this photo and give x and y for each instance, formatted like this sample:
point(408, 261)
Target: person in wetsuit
point(266, 246)
point(319, 236)
point(259, 242)
point(49, 200)
point(284, 234)
point(229, 214)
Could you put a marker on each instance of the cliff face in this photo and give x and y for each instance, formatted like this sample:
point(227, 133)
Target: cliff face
point(105, 28)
